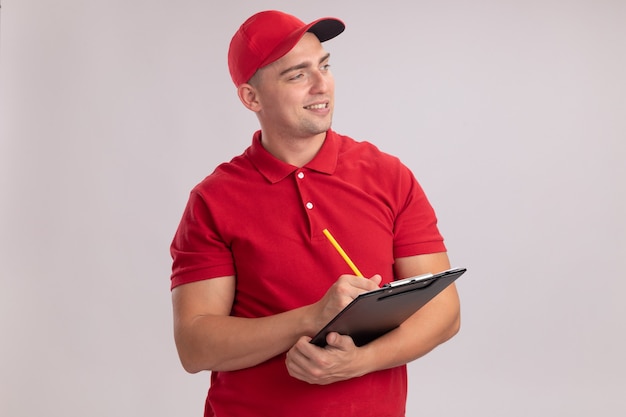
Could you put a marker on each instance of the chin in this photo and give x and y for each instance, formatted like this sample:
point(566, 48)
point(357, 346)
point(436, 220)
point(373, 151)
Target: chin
point(316, 129)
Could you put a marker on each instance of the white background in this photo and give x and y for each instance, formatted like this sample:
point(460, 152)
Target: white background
point(512, 114)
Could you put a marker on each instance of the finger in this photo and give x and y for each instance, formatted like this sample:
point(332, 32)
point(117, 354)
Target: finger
point(295, 361)
point(295, 370)
point(298, 352)
point(339, 342)
point(376, 279)
point(302, 366)
point(348, 287)
point(361, 284)
point(331, 338)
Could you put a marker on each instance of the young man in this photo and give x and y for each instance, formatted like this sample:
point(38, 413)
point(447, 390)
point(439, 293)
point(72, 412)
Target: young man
point(254, 277)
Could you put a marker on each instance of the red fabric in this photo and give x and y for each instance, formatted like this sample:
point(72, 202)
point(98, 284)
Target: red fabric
point(252, 218)
point(272, 392)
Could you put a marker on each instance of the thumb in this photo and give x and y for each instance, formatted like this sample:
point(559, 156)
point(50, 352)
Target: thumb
point(337, 341)
point(376, 279)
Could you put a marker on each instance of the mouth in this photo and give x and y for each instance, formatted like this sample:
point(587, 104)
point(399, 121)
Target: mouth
point(318, 106)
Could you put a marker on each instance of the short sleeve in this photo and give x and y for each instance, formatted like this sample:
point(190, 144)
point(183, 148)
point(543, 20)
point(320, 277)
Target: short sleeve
point(197, 250)
point(415, 229)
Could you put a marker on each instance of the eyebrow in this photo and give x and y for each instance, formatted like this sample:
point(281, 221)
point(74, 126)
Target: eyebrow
point(303, 65)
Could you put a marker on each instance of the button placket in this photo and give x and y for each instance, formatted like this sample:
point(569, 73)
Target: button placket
point(301, 185)
point(305, 181)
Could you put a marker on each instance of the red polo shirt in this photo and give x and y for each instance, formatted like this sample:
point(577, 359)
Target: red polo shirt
point(261, 219)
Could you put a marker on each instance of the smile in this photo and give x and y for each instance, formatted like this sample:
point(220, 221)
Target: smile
point(317, 106)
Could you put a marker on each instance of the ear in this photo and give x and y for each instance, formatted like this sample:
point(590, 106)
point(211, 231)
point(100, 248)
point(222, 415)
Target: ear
point(249, 97)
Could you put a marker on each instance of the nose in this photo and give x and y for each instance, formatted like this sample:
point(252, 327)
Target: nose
point(320, 81)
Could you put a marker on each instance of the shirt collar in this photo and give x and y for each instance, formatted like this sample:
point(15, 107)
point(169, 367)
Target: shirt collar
point(275, 170)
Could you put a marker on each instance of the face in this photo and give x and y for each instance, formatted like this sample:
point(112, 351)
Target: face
point(295, 95)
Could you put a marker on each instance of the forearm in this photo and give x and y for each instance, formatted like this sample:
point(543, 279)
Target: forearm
point(223, 343)
point(209, 338)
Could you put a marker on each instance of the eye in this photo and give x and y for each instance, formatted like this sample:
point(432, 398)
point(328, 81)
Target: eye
point(297, 76)
point(326, 67)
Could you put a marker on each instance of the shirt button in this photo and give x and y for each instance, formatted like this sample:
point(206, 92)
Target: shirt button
point(300, 175)
point(309, 205)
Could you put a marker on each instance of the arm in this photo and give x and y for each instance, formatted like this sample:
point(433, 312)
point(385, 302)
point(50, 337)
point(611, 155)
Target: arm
point(208, 338)
point(432, 325)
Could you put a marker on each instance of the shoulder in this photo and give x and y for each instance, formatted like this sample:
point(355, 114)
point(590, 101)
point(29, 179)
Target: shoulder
point(226, 175)
point(366, 156)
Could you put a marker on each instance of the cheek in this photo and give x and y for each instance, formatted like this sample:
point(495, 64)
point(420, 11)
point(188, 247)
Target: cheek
point(271, 103)
point(330, 86)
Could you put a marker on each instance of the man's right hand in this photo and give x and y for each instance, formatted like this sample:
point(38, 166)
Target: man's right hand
point(340, 294)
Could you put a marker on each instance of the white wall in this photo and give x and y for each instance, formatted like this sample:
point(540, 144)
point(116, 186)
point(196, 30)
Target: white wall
point(511, 113)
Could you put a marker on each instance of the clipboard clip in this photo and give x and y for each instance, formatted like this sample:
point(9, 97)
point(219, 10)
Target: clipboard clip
point(417, 278)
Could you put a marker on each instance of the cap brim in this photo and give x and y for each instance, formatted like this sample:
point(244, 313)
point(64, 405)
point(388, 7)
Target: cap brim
point(326, 28)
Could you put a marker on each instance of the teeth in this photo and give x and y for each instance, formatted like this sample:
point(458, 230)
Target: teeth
point(316, 106)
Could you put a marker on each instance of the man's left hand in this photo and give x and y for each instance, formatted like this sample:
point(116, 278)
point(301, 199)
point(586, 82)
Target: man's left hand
point(337, 361)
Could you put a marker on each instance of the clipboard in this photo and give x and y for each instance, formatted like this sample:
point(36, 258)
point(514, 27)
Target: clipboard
point(374, 313)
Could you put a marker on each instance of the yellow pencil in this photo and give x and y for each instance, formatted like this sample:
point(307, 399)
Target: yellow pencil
point(342, 253)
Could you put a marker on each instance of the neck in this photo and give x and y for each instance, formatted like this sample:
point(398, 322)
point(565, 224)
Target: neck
point(294, 151)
